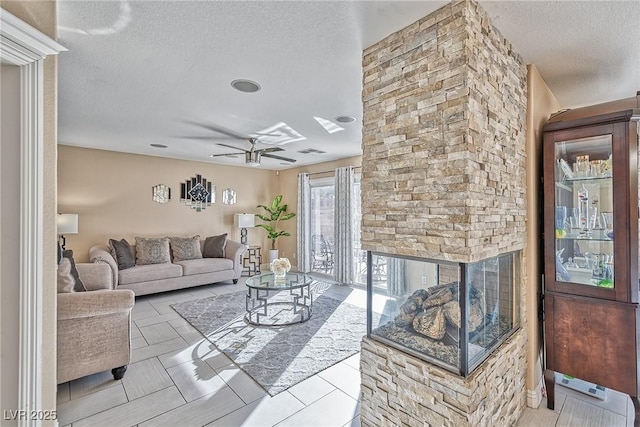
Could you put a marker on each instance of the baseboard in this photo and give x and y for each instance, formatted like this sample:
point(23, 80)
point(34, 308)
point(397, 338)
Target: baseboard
point(534, 397)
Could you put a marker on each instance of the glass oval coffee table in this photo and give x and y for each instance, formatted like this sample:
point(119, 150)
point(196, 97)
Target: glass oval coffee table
point(271, 303)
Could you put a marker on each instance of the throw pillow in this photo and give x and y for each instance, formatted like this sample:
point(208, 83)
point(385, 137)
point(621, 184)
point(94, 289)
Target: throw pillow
point(65, 279)
point(152, 251)
point(184, 248)
point(214, 246)
point(121, 251)
point(78, 286)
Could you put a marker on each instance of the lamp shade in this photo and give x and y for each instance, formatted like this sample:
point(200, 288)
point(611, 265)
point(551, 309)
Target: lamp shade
point(245, 220)
point(67, 223)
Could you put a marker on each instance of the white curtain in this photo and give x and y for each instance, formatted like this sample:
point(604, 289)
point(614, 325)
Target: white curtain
point(396, 276)
point(303, 215)
point(343, 225)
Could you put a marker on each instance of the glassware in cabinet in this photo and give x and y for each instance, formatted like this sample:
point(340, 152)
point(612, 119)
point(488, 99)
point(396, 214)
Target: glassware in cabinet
point(584, 211)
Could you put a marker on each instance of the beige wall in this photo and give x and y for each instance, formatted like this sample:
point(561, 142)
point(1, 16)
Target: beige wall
point(541, 103)
point(111, 193)
point(42, 15)
point(288, 187)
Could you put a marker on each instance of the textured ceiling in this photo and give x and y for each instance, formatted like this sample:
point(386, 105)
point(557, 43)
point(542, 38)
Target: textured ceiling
point(159, 72)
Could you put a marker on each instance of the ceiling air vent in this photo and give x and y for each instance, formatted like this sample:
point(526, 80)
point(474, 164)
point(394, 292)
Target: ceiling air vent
point(311, 151)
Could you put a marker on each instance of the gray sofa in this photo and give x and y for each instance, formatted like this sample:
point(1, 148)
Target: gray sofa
point(154, 278)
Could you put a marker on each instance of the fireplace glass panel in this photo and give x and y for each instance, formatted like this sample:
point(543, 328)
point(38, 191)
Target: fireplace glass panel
point(450, 314)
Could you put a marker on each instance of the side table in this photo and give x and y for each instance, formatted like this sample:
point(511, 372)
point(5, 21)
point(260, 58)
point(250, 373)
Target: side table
point(251, 261)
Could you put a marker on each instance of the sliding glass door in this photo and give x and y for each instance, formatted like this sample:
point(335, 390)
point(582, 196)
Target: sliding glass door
point(322, 225)
point(322, 232)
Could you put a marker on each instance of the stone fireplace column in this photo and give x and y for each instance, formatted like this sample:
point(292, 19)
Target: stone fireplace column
point(444, 177)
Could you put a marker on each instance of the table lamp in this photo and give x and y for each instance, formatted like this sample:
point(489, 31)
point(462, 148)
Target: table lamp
point(67, 224)
point(244, 221)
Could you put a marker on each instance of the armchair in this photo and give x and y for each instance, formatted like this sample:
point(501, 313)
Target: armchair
point(94, 327)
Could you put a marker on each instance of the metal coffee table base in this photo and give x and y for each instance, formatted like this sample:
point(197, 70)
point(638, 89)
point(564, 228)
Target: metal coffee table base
point(263, 311)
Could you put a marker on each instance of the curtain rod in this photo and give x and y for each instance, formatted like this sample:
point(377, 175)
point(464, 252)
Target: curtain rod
point(331, 171)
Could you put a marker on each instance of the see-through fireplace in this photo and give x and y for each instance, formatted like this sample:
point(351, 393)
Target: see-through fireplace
point(447, 313)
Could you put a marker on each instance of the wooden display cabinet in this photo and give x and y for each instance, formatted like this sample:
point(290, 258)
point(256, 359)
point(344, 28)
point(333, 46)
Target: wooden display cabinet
point(591, 212)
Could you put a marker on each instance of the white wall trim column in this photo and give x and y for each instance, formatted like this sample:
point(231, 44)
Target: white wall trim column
point(26, 47)
point(534, 397)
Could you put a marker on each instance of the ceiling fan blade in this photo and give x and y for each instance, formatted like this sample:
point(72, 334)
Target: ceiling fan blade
point(269, 150)
point(225, 155)
point(219, 130)
point(207, 138)
point(231, 146)
point(273, 156)
point(266, 134)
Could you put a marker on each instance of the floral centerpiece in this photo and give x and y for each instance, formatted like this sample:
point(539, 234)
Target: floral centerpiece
point(280, 267)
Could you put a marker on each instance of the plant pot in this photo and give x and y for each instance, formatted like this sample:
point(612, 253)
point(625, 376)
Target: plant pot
point(273, 254)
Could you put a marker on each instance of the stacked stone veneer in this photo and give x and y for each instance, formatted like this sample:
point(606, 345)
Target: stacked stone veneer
point(444, 140)
point(444, 178)
point(401, 390)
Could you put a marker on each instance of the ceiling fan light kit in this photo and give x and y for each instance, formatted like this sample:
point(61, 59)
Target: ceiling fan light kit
point(253, 159)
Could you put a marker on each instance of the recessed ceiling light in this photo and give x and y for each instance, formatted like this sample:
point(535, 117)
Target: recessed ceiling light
point(345, 119)
point(158, 145)
point(245, 85)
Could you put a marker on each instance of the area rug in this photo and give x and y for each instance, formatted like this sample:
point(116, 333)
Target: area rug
point(278, 357)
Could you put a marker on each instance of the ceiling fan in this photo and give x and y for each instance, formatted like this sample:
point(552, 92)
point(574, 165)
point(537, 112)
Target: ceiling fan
point(253, 156)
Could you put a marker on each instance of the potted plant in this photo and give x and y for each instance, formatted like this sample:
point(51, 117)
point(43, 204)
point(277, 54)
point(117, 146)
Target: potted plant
point(276, 212)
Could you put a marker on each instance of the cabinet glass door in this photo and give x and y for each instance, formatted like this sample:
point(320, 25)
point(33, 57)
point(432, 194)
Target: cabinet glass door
point(584, 211)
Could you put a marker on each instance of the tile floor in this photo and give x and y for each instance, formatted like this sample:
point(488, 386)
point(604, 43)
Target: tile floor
point(176, 377)
point(574, 409)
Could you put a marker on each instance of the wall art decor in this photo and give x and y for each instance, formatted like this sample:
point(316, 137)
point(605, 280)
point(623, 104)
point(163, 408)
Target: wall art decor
point(161, 193)
point(229, 197)
point(197, 193)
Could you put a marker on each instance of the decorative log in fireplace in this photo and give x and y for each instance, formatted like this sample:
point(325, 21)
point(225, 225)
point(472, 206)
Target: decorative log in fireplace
point(431, 311)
